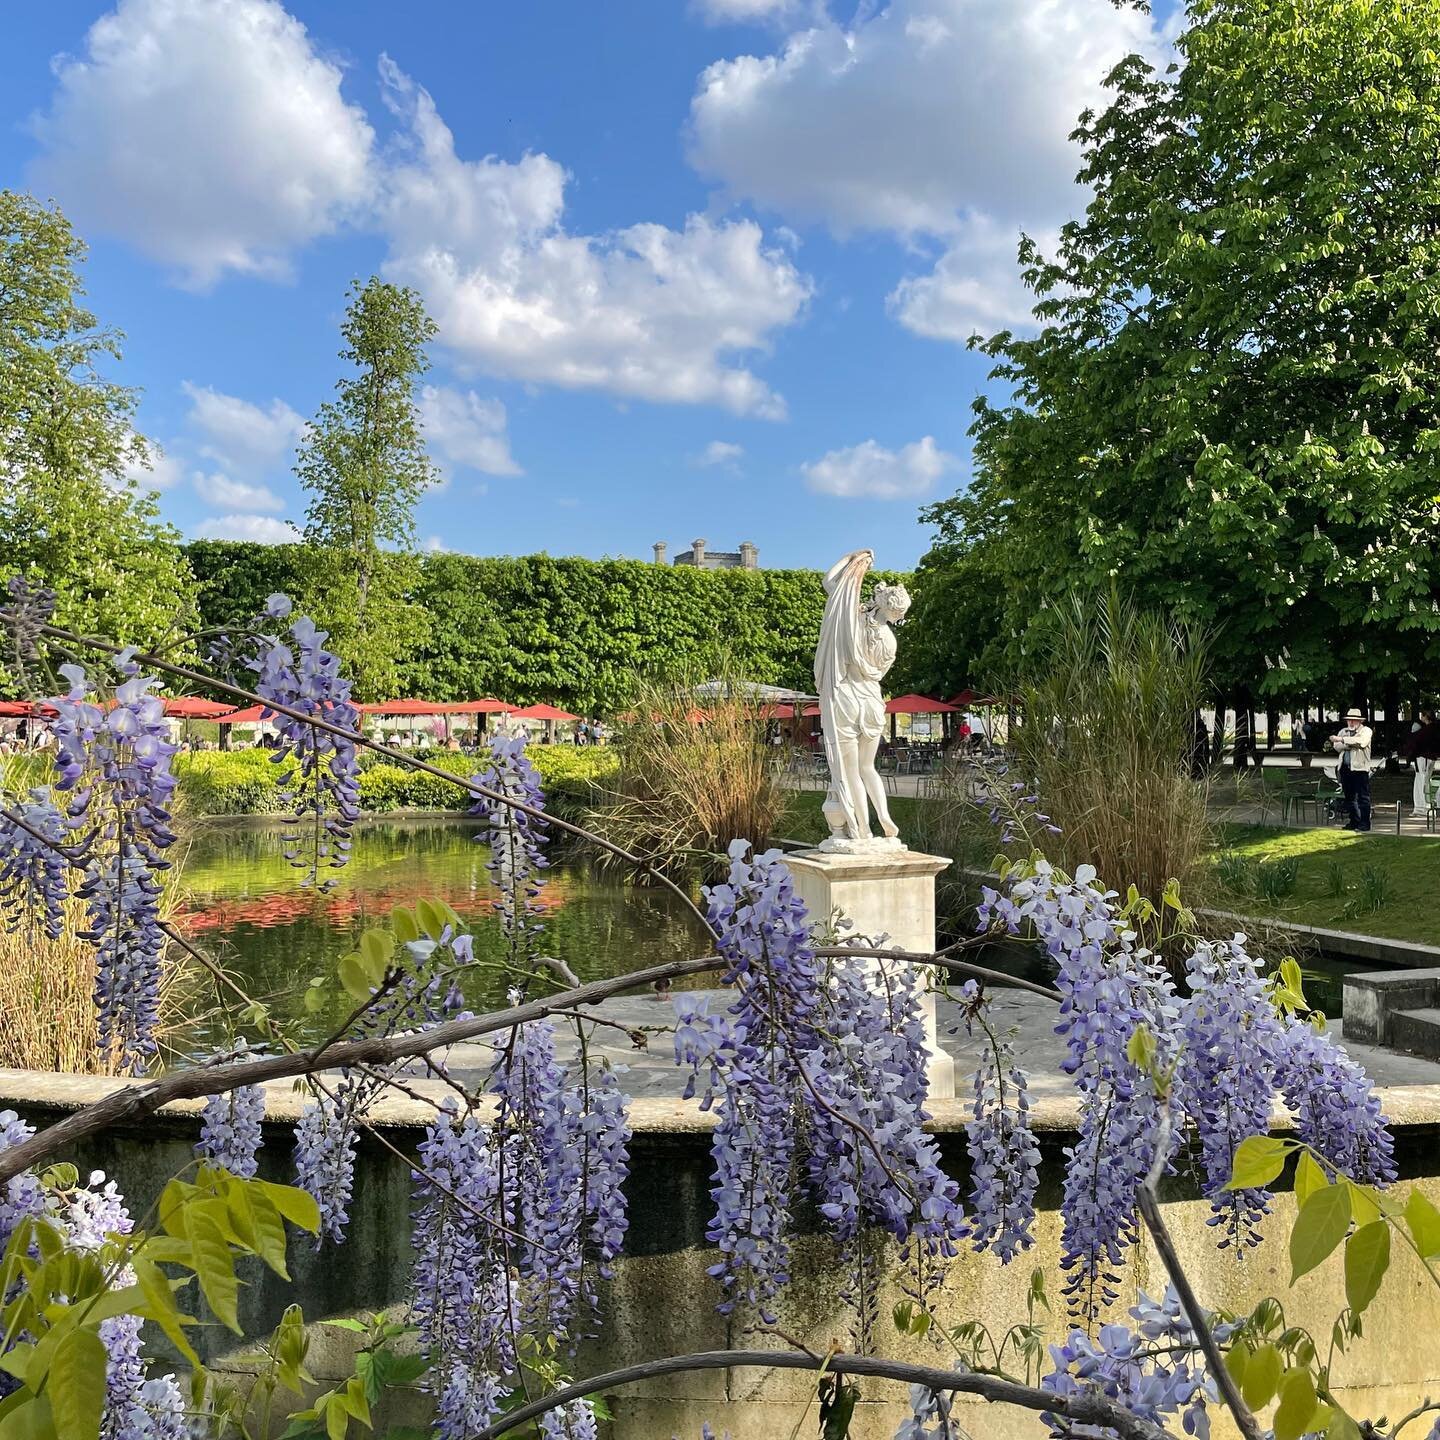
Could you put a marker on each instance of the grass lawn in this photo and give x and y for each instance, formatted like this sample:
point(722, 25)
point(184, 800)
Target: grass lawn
point(1410, 912)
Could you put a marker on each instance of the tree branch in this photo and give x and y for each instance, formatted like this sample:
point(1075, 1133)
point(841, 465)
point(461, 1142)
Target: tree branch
point(1082, 1409)
point(1194, 1311)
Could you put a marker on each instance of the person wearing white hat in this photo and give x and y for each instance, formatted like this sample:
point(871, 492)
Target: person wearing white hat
point(1353, 743)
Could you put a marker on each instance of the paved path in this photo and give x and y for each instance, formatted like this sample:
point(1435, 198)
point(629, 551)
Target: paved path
point(1028, 1019)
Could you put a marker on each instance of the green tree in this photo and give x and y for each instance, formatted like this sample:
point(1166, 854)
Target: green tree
point(71, 513)
point(365, 465)
point(1231, 408)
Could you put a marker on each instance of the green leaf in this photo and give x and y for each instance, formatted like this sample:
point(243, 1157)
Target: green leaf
point(344, 1323)
point(1367, 1257)
point(24, 1416)
point(161, 1306)
point(1140, 1051)
point(77, 1385)
point(296, 1205)
point(1262, 1376)
point(212, 1261)
point(354, 977)
point(837, 1410)
point(377, 948)
point(1319, 1228)
point(1364, 1204)
point(403, 922)
point(1258, 1160)
point(1341, 1427)
point(1309, 1177)
point(432, 919)
point(1298, 1403)
point(314, 1000)
point(1236, 1361)
point(268, 1228)
point(1424, 1221)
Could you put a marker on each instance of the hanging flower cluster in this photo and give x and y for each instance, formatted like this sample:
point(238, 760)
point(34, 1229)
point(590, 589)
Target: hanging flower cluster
point(300, 673)
point(834, 1056)
point(1154, 1368)
point(115, 767)
point(33, 867)
point(517, 843)
point(325, 1162)
point(1231, 1044)
point(24, 612)
point(1004, 1157)
point(513, 1222)
point(230, 1134)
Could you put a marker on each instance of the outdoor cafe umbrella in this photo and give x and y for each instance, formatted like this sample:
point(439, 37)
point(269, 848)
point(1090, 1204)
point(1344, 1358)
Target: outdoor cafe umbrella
point(915, 705)
point(548, 713)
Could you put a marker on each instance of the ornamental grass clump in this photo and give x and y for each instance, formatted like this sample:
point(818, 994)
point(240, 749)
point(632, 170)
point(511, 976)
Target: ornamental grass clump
point(694, 775)
point(1109, 713)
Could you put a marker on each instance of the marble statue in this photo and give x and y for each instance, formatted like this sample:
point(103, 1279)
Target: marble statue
point(857, 647)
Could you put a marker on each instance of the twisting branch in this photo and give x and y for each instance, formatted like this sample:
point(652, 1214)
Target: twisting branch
point(942, 960)
point(1086, 1409)
point(410, 762)
point(1194, 1311)
point(133, 1102)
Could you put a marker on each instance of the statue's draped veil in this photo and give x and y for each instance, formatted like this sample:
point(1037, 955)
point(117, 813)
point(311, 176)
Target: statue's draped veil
point(840, 645)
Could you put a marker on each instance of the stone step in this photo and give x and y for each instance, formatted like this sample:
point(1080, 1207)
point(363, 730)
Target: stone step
point(1416, 1031)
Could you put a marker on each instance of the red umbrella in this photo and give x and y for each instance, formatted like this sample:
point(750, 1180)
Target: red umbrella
point(403, 707)
point(248, 716)
point(477, 707)
point(543, 712)
point(192, 707)
point(917, 705)
point(16, 709)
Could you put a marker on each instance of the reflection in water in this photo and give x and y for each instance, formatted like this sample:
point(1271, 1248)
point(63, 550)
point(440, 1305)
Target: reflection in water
point(244, 904)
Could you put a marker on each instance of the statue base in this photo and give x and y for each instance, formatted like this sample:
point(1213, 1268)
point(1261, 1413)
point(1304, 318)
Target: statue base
point(870, 845)
point(883, 890)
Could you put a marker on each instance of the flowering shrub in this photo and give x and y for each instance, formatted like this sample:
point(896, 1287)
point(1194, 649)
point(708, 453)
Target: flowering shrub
point(812, 1057)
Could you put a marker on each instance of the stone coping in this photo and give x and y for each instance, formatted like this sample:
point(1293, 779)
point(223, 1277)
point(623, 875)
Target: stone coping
point(1407, 1106)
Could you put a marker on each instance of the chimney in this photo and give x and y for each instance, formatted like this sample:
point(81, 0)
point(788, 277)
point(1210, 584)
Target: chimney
point(660, 552)
point(697, 552)
point(749, 555)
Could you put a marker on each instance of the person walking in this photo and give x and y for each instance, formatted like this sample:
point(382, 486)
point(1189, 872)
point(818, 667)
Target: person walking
point(1423, 747)
point(1353, 744)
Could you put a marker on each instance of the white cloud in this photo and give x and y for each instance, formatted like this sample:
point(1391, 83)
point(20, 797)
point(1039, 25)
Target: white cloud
point(645, 312)
point(221, 490)
point(434, 545)
point(744, 12)
point(720, 452)
point(946, 119)
point(869, 471)
point(241, 436)
point(974, 288)
point(264, 528)
point(164, 472)
point(466, 429)
point(207, 133)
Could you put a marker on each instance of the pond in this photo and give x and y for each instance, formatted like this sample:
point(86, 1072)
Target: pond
point(245, 906)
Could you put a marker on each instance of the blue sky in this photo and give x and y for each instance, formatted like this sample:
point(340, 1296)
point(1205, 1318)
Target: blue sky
point(701, 267)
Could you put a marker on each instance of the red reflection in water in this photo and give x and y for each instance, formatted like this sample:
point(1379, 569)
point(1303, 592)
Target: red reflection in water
point(344, 907)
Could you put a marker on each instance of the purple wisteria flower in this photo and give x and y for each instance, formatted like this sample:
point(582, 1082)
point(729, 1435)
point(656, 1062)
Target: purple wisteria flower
point(517, 843)
point(325, 1163)
point(115, 766)
point(1004, 1158)
point(230, 1134)
point(33, 887)
point(1155, 1368)
point(575, 1421)
point(460, 1286)
point(1231, 1042)
point(1110, 988)
point(301, 674)
point(22, 1198)
point(1336, 1109)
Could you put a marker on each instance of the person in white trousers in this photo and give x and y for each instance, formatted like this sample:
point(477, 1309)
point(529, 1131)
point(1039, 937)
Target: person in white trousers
point(1423, 747)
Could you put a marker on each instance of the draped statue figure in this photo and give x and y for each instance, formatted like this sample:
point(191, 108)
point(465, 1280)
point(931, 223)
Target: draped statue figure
point(857, 647)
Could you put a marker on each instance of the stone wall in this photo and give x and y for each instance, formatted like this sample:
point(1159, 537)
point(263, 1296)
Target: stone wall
point(661, 1302)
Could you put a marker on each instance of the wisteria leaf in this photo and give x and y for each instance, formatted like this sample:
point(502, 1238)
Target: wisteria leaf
point(1309, 1177)
point(1320, 1227)
point(1367, 1257)
point(1296, 1411)
point(77, 1384)
point(1259, 1159)
point(1424, 1221)
point(1262, 1375)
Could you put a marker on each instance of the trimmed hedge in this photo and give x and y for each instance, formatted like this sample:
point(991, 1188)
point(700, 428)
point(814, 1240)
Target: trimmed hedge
point(247, 782)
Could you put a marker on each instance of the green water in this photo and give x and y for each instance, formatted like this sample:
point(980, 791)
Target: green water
point(246, 908)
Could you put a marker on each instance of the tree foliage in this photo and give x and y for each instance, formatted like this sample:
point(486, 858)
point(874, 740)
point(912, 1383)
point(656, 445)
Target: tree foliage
point(1230, 408)
point(365, 465)
point(70, 511)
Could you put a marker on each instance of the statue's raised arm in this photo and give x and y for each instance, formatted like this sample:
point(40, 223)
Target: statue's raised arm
point(857, 647)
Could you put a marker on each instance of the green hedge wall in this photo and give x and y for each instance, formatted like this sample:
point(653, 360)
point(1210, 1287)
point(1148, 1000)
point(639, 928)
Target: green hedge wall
point(246, 782)
point(574, 632)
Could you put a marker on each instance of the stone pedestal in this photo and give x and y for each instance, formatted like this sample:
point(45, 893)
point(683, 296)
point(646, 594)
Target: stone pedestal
point(887, 892)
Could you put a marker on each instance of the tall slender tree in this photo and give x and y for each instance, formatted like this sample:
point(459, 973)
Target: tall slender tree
point(72, 513)
point(365, 465)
